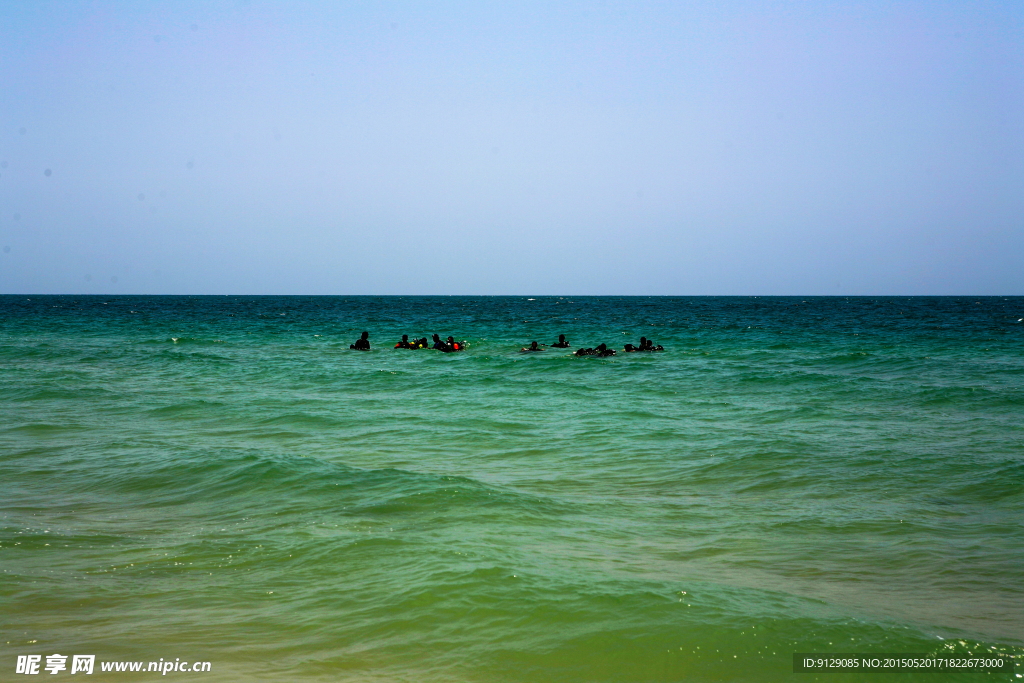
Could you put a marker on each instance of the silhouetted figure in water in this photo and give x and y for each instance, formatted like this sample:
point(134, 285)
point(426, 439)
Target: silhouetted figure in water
point(601, 350)
point(404, 344)
point(533, 347)
point(561, 343)
point(645, 345)
point(648, 345)
point(448, 346)
point(362, 344)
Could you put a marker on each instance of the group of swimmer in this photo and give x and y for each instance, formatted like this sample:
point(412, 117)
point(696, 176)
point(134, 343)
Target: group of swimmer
point(450, 346)
point(645, 345)
point(447, 346)
point(600, 350)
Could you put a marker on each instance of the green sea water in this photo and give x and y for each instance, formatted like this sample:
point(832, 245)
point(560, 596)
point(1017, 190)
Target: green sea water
point(221, 479)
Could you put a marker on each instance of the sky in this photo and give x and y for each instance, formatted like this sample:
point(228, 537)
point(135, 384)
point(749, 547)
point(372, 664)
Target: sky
point(641, 148)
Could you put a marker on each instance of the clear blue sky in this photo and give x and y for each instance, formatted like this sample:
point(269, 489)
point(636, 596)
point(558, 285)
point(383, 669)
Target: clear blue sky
point(719, 147)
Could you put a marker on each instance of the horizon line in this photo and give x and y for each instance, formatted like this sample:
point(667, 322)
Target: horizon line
point(546, 296)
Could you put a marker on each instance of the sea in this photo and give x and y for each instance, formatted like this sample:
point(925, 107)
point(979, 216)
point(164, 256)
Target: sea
point(220, 479)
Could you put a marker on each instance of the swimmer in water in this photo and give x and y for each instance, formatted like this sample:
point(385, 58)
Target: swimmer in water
point(533, 347)
point(603, 350)
point(438, 344)
point(404, 344)
point(362, 344)
point(630, 348)
point(645, 345)
point(583, 352)
point(561, 343)
point(651, 347)
point(454, 345)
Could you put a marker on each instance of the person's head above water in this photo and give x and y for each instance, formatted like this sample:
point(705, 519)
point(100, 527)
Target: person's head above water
point(561, 338)
point(602, 347)
point(533, 345)
point(366, 335)
point(405, 337)
point(437, 337)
